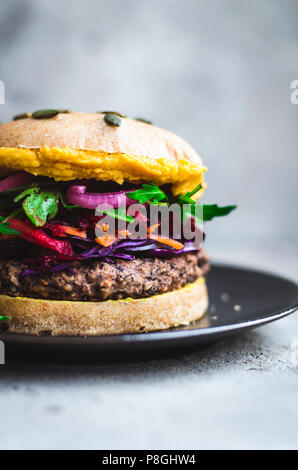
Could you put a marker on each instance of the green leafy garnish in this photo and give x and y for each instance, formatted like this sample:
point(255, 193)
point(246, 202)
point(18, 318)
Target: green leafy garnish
point(152, 194)
point(188, 205)
point(213, 210)
point(209, 211)
point(206, 211)
point(158, 203)
point(66, 206)
point(4, 228)
point(149, 192)
point(26, 192)
point(39, 205)
point(194, 191)
point(12, 214)
point(186, 198)
point(117, 215)
point(4, 318)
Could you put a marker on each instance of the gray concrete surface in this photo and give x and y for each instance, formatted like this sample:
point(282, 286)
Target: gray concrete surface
point(240, 393)
point(217, 72)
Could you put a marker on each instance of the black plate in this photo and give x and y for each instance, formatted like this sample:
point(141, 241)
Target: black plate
point(240, 299)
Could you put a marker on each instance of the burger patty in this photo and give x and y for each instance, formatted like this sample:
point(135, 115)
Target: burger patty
point(97, 280)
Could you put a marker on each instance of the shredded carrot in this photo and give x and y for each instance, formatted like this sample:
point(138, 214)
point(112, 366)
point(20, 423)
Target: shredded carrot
point(152, 228)
point(102, 227)
point(168, 241)
point(105, 240)
point(124, 233)
point(73, 231)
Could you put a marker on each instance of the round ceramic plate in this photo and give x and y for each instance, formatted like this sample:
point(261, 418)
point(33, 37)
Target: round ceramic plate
point(240, 299)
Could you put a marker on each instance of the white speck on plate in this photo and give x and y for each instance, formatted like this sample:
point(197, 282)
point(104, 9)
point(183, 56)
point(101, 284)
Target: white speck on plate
point(237, 308)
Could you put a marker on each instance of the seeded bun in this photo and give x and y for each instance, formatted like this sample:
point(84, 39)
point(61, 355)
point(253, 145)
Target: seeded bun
point(82, 131)
point(80, 145)
point(54, 317)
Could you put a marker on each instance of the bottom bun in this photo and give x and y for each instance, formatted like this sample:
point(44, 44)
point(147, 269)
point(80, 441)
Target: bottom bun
point(57, 317)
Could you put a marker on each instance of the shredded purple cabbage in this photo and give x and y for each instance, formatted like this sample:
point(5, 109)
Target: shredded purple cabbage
point(123, 249)
point(29, 272)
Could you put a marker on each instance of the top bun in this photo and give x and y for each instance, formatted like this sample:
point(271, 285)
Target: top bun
point(80, 145)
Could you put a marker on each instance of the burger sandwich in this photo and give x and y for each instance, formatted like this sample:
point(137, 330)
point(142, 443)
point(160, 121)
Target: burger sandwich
point(100, 226)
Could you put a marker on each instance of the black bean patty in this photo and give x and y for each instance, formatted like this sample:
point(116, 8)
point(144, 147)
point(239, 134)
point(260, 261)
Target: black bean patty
point(97, 280)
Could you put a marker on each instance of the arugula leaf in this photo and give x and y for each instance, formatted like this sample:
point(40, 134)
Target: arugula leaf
point(34, 189)
point(152, 194)
point(209, 211)
point(66, 206)
point(38, 205)
point(186, 200)
point(4, 318)
point(15, 212)
point(213, 210)
point(194, 191)
point(158, 203)
point(4, 228)
point(149, 192)
point(29, 191)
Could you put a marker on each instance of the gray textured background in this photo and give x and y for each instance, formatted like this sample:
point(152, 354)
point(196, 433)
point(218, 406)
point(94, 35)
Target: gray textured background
point(218, 73)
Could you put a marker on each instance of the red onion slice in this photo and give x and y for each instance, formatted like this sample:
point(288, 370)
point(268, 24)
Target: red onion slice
point(78, 195)
point(20, 178)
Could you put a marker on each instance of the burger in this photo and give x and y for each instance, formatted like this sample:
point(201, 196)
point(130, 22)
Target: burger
point(75, 189)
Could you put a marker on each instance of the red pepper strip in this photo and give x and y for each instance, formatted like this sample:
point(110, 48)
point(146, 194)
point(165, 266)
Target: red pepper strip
point(39, 237)
point(55, 230)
